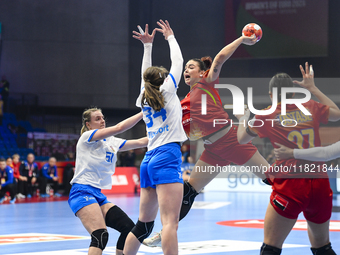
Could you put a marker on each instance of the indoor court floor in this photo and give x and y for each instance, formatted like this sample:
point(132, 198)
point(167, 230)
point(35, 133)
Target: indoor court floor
point(220, 223)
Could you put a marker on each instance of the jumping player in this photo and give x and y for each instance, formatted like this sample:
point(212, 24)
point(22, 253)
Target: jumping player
point(220, 142)
point(161, 177)
point(95, 163)
point(299, 190)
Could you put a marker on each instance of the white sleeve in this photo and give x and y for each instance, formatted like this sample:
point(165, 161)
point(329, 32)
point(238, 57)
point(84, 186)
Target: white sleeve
point(146, 63)
point(319, 153)
point(117, 143)
point(174, 77)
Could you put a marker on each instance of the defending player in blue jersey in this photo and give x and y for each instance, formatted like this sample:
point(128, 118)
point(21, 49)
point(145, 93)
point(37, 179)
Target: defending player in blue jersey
point(161, 177)
point(95, 163)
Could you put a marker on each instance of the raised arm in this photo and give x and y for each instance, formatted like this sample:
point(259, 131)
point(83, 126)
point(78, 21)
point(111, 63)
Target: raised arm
point(308, 83)
point(175, 51)
point(117, 129)
point(226, 53)
point(312, 154)
point(147, 41)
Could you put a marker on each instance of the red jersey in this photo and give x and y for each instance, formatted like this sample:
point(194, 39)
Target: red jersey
point(294, 130)
point(195, 124)
point(15, 168)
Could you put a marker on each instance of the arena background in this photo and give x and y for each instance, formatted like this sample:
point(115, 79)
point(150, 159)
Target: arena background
point(63, 56)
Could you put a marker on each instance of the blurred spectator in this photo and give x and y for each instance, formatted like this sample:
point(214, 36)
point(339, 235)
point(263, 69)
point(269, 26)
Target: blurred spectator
point(30, 170)
point(59, 156)
point(185, 153)
point(9, 162)
point(187, 168)
point(67, 177)
point(8, 182)
point(16, 173)
point(4, 85)
point(49, 175)
point(70, 156)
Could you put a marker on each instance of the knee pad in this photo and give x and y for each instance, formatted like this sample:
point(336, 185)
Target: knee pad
point(142, 230)
point(189, 194)
point(324, 250)
point(99, 238)
point(117, 219)
point(269, 250)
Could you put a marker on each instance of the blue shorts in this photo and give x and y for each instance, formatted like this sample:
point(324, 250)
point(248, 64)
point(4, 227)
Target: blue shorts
point(82, 195)
point(161, 165)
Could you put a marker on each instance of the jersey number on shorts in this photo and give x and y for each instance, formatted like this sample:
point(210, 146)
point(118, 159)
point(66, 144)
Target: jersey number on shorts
point(109, 156)
point(297, 137)
point(149, 115)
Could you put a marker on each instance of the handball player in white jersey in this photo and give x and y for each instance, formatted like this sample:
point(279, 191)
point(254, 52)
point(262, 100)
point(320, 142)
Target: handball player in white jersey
point(161, 176)
point(95, 163)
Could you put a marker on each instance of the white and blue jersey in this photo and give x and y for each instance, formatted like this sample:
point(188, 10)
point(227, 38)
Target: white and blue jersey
point(162, 162)
point(165, 126)
point(96, 160)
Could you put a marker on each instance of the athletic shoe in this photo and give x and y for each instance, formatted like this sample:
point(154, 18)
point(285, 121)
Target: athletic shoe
point(154, 241)
point(58, 195)
point(2, 200)
point(12, 201)
point(19, 195)
point(29, 196)
point(44, 195)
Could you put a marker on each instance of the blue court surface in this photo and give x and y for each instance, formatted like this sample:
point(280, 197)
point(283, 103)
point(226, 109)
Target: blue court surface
point(51, 228)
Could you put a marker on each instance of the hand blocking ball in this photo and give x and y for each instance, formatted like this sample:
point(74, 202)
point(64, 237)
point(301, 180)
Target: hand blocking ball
point(251, 29)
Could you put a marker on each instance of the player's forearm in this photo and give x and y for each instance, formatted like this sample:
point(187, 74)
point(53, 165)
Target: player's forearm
point(147, 61)
point(323, 99)
point(117, 129)
point(319, 153)
point(176, 58)
point(228, 50)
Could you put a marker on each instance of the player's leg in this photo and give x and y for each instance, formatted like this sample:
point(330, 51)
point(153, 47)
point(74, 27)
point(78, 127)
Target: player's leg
point(259, 165)
point(93, 220)
point(117, 219)
point(276, 229)
point(317, 215)
point(148, 208)
point(170, 200)
point(319, 238)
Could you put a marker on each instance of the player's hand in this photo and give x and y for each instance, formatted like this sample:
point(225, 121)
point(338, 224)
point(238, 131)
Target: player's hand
point(144, 36)
point(283, 152)
point(249, 40)
point(245, 116)
point(165, 28)
point(308, 77)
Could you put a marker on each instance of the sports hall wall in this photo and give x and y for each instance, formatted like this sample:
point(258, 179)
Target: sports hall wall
point(79, 53)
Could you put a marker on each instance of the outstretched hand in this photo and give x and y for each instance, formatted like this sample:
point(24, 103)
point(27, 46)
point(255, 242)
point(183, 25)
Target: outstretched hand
point(308, 77)
point(165, 28)
point(283, 152)
point(144, 37)
point(249, 40)
point(245, 116)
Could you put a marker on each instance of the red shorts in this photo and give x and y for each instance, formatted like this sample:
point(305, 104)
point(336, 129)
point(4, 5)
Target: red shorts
point(227, 149)
point(312, 196)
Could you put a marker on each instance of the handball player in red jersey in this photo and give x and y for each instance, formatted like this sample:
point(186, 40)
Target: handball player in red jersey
point(305, 188)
